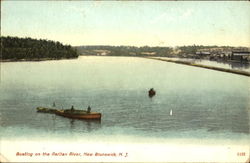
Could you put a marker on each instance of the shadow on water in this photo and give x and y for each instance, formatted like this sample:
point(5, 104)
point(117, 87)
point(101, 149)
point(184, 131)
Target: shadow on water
point(239, 65)
point(245, 66)
point(88, 125)
point(235, 65)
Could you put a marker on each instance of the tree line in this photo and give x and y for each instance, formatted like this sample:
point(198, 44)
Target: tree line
point(27, 48)
point(179, 51)
point(124, 50)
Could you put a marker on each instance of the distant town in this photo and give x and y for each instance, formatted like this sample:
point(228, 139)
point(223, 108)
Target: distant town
point(216, 53)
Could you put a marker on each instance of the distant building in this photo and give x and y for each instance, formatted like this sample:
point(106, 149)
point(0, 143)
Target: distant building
point(240, 56)
point(101, 52)
point(203, 53)
point(227, 53)
point(148, 53)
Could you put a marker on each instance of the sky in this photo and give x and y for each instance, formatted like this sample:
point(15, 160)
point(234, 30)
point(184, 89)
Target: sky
point(135, 23)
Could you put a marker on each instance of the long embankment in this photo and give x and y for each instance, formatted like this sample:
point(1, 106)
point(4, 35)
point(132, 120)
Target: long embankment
point(203, 66)
point(34, 59)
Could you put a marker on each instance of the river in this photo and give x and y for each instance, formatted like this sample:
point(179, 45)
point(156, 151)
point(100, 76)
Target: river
point(210, 110)
point(220, 64)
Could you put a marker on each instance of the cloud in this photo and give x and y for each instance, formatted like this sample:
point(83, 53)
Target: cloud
point(163, 17)
point(186, 14)
point(77, 9)
point(172, 15)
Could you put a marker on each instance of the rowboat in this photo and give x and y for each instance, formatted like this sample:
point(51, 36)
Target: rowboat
point(78, 114)
point(151, 92)
point(71, 113)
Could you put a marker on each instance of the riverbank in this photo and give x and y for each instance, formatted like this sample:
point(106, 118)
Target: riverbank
point(32, 59)
point(203, 66)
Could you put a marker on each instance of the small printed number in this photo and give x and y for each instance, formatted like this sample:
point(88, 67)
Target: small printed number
point(241, 154)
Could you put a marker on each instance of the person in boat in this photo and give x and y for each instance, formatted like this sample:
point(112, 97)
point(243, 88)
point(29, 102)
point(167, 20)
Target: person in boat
point(89, 109)
point(72, 108)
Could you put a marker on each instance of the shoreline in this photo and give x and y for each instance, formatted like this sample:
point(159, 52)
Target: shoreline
point(204, 66)
point(34, 59)
point(239, 72)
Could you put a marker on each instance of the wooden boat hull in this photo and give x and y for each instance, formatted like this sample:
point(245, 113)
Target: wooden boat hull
point(75, 114)
point(92, 115)
point(151, 93)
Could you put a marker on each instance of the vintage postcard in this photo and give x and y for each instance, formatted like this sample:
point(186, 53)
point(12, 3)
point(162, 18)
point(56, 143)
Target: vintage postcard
point(125, 81)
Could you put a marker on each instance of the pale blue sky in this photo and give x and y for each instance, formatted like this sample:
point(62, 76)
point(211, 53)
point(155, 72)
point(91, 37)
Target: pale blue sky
point(136, 23)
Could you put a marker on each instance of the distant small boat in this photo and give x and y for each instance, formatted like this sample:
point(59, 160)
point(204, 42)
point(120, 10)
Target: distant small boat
point(71, 113)
point(171, 112)
point(151, 92)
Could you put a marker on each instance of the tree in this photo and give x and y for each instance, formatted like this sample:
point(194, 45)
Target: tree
point(28, 48)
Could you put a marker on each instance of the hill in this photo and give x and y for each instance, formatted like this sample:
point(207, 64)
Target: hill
point(14, 48)
point(124, 50)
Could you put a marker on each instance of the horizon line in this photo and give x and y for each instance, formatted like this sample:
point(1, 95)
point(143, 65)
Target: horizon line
point(175, 46)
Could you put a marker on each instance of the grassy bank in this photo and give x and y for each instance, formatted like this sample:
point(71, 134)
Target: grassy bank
point(33, 59)
point(204, 66)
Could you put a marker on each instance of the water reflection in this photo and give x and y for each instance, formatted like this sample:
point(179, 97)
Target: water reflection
point(244, 66)
point(87, 125)
point(54, 122)
point(72, 124)
point(239, 65)
point(225, 64)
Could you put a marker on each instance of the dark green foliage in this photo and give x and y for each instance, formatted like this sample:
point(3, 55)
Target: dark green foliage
point(28, 48)
point(142, 51)
point(192, 49)
point(126, 50)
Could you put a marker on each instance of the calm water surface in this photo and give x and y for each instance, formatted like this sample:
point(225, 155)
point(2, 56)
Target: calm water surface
point(204, 103)
point(221, 64)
